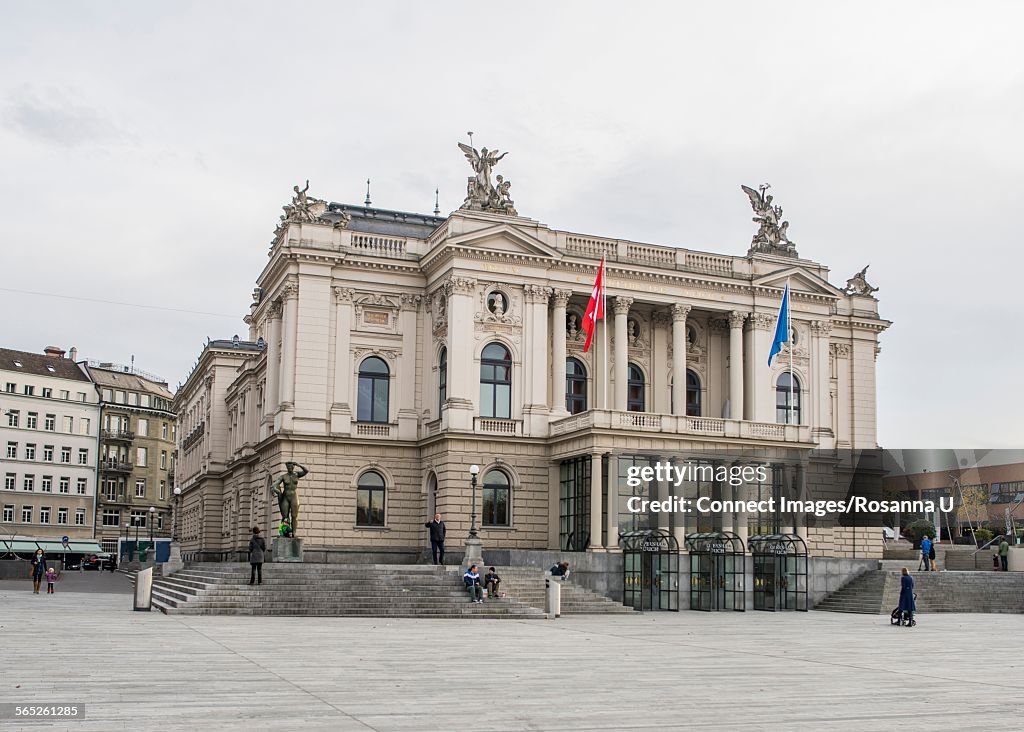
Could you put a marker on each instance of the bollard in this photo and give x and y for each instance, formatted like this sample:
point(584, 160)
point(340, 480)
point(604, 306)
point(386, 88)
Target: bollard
point(552, 597)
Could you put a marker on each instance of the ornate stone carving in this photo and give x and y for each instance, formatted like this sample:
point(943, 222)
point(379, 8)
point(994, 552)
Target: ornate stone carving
point(573, 327)
point(661, 318)
point(275, 309)
point(771, 236)
point(622, 304)
point(719, 325)
point(762, 321)
point(858, 284)
point(839, 350)
point(290, 290)
point(344, 294)
point(633, 333)
point(391, 354)
point(537, 293)
point(736, 319)
point(481, 194)
point(560, 298)
point(459, 286)
point(878, 350)
point(409, 301)
point(679, 311)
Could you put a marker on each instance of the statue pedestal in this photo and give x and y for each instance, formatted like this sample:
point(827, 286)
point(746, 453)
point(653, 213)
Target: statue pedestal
point(174, 562)
point(474, 553)
point(285, 549)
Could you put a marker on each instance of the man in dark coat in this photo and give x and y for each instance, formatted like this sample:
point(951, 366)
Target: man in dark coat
point(437, 532)
point(257, 546)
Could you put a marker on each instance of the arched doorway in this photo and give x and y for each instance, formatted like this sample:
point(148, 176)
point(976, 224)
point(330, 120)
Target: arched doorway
point(717, 565)
point(650, 570)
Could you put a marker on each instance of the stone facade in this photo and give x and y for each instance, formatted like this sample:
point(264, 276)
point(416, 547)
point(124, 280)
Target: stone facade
point(396, 349)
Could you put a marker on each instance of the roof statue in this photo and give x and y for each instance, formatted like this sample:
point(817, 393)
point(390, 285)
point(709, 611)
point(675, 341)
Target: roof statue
point(771, 237)
point(481, 194)
point(858, 284)
point(306, 209)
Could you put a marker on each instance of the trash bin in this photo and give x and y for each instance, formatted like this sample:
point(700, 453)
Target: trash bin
point(144, 589)
point(552, 597)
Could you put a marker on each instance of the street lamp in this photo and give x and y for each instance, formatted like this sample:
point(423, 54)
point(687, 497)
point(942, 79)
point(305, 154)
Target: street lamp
point(152, 522)
point(473, 471)
point(127, 527)
point(177, 503)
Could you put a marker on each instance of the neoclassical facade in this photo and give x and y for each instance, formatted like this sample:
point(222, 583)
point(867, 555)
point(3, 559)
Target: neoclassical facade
point(387, 352)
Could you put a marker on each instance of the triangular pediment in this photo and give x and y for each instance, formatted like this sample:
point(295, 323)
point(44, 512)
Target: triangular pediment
point(504, 238)
point(800, 280)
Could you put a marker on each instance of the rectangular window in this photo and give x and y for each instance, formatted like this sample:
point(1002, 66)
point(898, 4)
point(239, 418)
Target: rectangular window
point(65, 484)
point(26, 514)
point(62, 516)
point(8, 513)
point(9, 480)
point(133, 398)
point(30, 452)
point(79, 517)
point(81, 486)
point(496, 499)
point(12, 450)
point(68, 425)
point(11, 387)
point(370, 505)
point(574, 503)
point(81, 396)
point(163, 430)
point(119, 397)
point(47, 453)
point(163, 489)
point(108, 395)
point(83, 456)
point(32, 421)
point(29, 390)
point(65, 394)
point(142, 430)
point(139, 519)
point(84, 425)
point(12, 418)
point(44, 515)
point(46, 484)
point(111, 517)
point(140, 488)
point(29, 483)
point(109, 489)
point(50, 422)
point(163, 459)
point(141, 457)
point(47, 392)
point(65, 454)
point(159, 521)
point(145, 400)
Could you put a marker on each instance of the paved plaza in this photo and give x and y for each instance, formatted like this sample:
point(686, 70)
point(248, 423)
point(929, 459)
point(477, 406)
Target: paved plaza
point(689, 670)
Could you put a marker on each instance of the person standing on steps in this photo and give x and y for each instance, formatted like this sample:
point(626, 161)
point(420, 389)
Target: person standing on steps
point(1004, 555)
point(257, 546)
point(437, 532)
point(38, 570)
point(926, 554)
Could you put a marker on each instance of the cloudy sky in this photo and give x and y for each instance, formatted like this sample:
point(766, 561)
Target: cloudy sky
point(146, 150)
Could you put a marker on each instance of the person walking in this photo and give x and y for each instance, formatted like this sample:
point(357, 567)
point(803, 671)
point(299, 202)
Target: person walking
point(1004, 555)
point(51, 577)
point(907, 606)
point(257, 546)
point(926, 554)
point(38, 570)
point(437, 532)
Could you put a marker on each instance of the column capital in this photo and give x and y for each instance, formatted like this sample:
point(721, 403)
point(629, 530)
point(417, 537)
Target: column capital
point(290, 290)
point(736, 319)
point(679, 312)
point(622, 304)
point(459, 286)
point(409, 301)
point(560, 298)
point(537, 293)
point(344, 294)
point(275, 309)
point(821, 327)
point(762, 321)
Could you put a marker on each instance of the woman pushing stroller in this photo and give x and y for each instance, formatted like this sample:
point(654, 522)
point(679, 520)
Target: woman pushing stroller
point(904, 614)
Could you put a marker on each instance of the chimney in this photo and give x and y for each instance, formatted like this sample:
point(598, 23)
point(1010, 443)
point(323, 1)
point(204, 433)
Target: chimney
point(54, 351)
point(73, 354)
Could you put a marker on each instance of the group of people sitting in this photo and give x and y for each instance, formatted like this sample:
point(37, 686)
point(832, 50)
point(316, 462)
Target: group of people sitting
point(491, 581)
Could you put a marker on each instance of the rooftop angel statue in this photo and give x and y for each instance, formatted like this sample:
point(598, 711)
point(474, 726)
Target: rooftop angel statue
point(481, 195)
point(771, 236)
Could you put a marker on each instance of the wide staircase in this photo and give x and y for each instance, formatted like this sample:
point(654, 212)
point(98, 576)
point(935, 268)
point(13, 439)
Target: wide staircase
point(403, 590)
point(878, 591)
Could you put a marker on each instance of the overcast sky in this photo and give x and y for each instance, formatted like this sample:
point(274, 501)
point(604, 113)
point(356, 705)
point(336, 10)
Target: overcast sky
point(146, 150)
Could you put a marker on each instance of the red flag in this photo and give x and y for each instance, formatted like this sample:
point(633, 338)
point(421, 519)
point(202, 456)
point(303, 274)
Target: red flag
point(595, 308)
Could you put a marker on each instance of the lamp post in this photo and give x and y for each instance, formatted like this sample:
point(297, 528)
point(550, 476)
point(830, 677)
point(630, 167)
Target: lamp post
point(127, 527)
point(177, 503)
point(474, 549)
point(174, 563)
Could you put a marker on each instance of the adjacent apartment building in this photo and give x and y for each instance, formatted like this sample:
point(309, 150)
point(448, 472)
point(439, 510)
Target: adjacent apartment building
point(49, 429)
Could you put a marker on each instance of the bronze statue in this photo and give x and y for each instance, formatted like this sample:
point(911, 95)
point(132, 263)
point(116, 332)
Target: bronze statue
point(287, 499)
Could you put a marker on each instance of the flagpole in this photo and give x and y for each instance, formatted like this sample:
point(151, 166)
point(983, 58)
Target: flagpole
point(604, 326)
point(789, 335)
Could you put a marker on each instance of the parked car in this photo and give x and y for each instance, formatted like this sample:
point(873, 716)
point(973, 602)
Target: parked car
point(95, 561)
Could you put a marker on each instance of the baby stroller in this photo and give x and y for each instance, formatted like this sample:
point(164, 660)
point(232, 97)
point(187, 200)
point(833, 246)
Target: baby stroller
point(902, 617)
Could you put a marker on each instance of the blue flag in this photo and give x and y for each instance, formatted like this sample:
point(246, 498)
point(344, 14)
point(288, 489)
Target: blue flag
point(781, 326)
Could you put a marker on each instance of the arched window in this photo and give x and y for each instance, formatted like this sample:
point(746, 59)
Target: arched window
point(575, 386)
point(370, 499)
point(442, 379)
point(496, 382)
point(787, 399)
point(692, 394)
point(374, 380)
point(497, 498)
point(635, 390)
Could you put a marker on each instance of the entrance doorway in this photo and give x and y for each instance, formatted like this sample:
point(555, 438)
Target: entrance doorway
point(780, 572)
point(717, 567)
point(650, 570)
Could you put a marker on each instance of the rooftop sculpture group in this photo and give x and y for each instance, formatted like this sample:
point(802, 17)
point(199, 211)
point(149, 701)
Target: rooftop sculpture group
point(481, 194)
point(771, 236)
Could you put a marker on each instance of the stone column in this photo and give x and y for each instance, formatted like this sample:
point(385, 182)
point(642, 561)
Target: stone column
point(341, 408)
point(613, 502)
point(800, 519)
point(406, 414)
point(290, 295)
point(536, 410)
point(726, 493)
point(559, 301)
point(462, 382)
point(679, 313)
point(621, 354)
point(596, 501)
point(757, 393)
point(818, 400)
point(663, 518)
point(736, 319)
point(272, 394)
point(681, 521)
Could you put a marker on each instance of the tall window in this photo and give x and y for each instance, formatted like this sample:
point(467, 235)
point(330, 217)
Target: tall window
point(496, 382)
point(496, 495)
point(8, 513)
point(442, 379)
point(64, 484)
point(141, 456)
point(50, 422)
point(111, 517)
point(692, 394)
point(142, 428)
point(79, 517)
point(374, 379)
point(62, 515)
point(635, 390)
point(575, 386)
point(140, 488)
point(370, 499)
point(787, 399)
